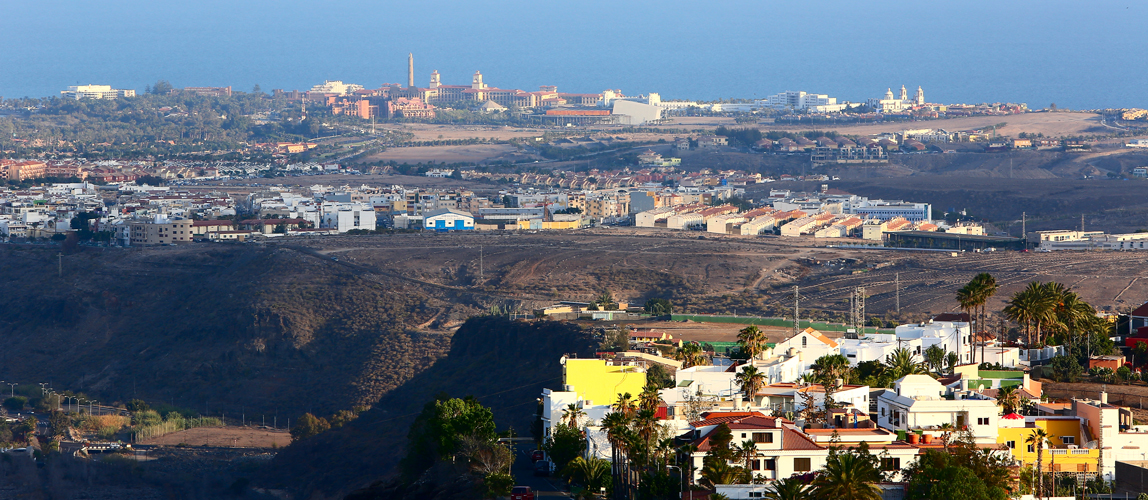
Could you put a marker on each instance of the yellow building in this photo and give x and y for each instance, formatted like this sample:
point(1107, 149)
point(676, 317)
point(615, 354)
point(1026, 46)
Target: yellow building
point(599, 382)
point(1064, 451)
point(541, 224)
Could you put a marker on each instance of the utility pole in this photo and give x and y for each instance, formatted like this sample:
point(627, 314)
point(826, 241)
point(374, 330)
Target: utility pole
point(897, 284)
point(860, 310)
point(1023, 230)
point(796, 311)
point(61, 260)
point(480, 263)
point(1082, 223)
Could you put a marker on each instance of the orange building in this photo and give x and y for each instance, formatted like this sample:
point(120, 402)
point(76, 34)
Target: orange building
point(21, 170)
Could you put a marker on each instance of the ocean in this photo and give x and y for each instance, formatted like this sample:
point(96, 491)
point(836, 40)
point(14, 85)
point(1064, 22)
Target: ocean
point(1078, 55)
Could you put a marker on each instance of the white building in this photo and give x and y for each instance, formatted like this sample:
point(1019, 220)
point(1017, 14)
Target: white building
point(96, 92)
point(448, 219)
point(886, 210)
point(335, 87)
point(344, 217)
point(808, 345)
point(918, 402)
point(1090, 240)
point(711, 380)
point(781, 448)
point(636, 113)
point(817, 103)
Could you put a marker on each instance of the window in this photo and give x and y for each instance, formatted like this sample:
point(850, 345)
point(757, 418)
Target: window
point(755, 464)
point(801, 465)
point(882, 412)
point(982, 420)
point(889, 463)
point(1010, 444)
point(1031, 449)
point(763, 437)
point(804, 341)
point(755, 494)
point(1068, 439)
point(770, 464)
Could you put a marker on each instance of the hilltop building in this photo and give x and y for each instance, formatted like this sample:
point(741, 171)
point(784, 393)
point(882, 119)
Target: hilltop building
point(96, 92)
point(889, 104)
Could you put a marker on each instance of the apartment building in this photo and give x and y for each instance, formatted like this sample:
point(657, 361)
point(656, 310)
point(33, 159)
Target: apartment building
point(162, 232)
point(96, 92)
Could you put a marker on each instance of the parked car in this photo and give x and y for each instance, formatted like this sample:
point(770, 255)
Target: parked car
point(522, 493)
point(537, 455)
point(543, 468)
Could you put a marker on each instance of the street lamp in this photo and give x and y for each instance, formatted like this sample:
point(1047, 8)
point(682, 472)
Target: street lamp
point(681, 478)
point(12, 387)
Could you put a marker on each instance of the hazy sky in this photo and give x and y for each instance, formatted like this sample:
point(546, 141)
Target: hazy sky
point(1077, 54)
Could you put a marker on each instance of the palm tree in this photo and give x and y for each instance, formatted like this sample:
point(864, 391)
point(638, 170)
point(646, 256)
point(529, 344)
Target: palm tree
point(1008, 399)
point(831, 367)
point(1037, 439)
point(900, 363)
point(617, 426)
point(947, 434)
point(935, 358)
point(746, 452)
point(986, 288)
point(649, 398)
point(848, 476)
point(591, 473)
point(691, 354)
point(952, 360)
point(752, 341)
point(967, 299)
point(606, 301)
point(750, 380)
point(1035, 305)
point(572, 414)
point(788, 489)
point(719, 472)
point(625, 406)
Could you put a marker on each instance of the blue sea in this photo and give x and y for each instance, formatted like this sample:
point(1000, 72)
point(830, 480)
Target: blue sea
point(1076, 54)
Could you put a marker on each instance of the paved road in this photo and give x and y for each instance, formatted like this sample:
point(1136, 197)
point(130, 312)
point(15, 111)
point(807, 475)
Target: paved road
point(524, 473)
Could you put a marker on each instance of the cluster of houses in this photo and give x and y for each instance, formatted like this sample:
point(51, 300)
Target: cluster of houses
point(829, 214)
point(1088, 437)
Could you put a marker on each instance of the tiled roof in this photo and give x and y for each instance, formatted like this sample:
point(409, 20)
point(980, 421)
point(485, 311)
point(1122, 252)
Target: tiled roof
point(718, 417)
point(793, 440)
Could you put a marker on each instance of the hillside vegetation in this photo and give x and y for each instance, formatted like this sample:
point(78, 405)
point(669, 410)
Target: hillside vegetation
point(214, 328)
point(503, 364)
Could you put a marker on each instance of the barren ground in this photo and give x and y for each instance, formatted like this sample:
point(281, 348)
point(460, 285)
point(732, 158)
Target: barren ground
point(225, 437)
point(725, 274)
point(1049, 124)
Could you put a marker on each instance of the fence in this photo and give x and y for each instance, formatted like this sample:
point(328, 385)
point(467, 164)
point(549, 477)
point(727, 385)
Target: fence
point(775, 322)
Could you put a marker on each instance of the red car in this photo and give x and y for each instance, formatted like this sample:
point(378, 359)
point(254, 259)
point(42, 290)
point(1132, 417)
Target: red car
point(537, 455)
point(521, 493)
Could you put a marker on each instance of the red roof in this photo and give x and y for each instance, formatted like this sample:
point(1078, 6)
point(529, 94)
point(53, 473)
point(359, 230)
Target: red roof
point(1141, 311)
point(1013, 416)
point(217, 222)
point(717, 417)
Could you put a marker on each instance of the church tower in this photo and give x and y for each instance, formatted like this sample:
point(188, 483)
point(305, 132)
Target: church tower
point(904, 95)
point(411, 70)
point(434, 80)
point(920, 97)
point(476, 82)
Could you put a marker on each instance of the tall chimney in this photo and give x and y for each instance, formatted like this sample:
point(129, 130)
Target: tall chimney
point(411, 70)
